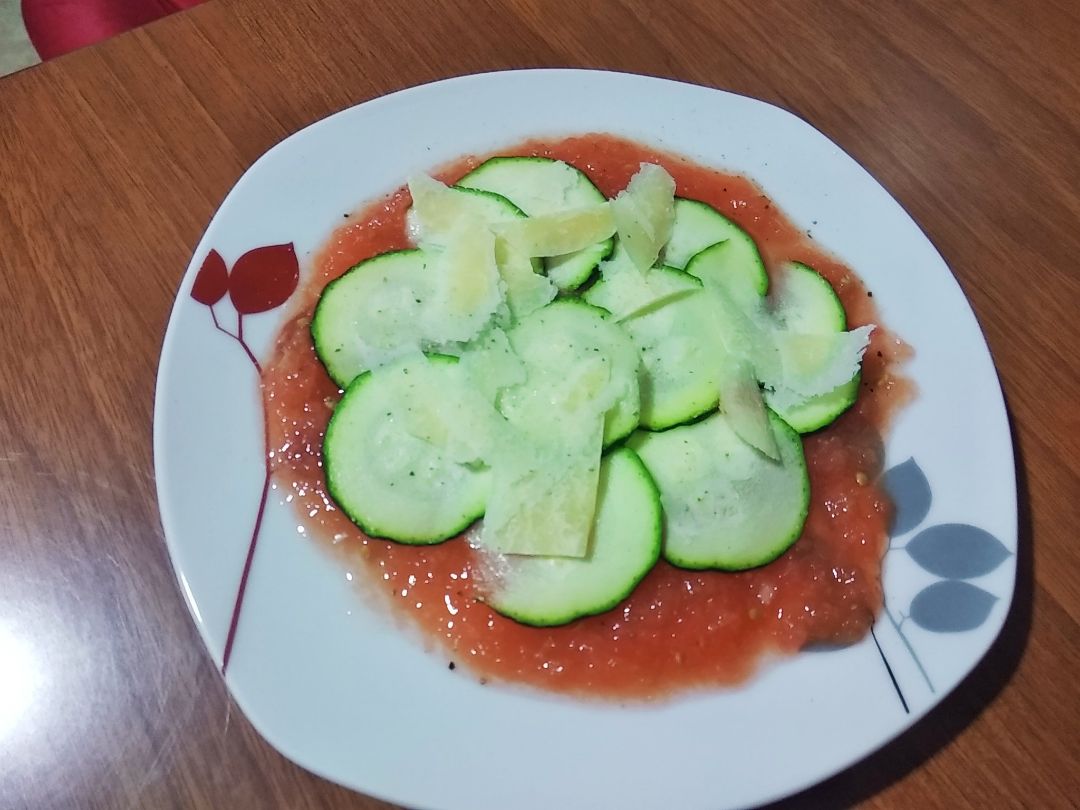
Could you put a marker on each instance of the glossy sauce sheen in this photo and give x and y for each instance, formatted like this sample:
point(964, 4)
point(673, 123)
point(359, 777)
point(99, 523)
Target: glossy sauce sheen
point(679, 629)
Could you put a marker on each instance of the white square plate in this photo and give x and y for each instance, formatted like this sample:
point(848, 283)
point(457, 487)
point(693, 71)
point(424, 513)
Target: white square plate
point(337, 687)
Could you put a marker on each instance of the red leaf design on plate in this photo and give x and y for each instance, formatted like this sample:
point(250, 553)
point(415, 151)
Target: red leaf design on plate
point(264, 278)
point(212, 280)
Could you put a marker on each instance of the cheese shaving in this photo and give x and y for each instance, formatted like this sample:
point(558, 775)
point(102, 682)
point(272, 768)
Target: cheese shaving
point(644, 213)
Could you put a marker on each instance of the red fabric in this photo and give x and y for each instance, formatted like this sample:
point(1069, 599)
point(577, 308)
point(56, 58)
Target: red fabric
point(59, 26)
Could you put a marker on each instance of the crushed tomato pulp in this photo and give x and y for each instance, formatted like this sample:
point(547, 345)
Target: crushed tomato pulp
point(678, 629)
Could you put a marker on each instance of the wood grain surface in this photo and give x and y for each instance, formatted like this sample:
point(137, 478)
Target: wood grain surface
point(113, 159)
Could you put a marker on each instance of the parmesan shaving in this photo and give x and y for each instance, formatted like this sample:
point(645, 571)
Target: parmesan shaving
point(644, 213)
point(465, 283)
point(559, 233)
point(543, 496)
point(815, 364)
point(526, 290)
point(743, 405)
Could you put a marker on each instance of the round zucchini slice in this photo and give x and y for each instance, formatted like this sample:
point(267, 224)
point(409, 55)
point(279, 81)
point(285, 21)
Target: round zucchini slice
point(726, 505)
point(625, 545)
point(392, 454)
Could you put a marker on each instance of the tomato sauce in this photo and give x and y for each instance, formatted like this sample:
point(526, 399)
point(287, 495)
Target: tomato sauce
point(678, 630)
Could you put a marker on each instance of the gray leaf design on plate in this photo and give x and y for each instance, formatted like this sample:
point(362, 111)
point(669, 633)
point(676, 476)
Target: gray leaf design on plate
point(910, 492)
point(951, 607)
point(957, 550)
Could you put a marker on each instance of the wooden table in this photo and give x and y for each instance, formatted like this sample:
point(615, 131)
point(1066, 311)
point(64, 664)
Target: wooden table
point(112, 161)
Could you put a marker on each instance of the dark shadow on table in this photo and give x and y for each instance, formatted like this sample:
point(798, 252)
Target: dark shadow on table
point(946, 720)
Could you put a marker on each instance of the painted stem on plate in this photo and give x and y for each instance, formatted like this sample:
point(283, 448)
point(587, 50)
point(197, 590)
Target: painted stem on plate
point(262, 279)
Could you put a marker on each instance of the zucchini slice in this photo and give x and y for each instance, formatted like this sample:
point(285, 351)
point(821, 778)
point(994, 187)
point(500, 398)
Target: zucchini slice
point(630, 293)
point(673, 332)
point(538, 186)
point(393, 452)
point(406, 301)
point(369, 315)
point(623, 548)
point(726, 505)
point(734, 266)
point(803, 301)
point(820, 411)
point(697, 226)
point(579, 364)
